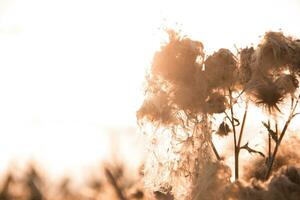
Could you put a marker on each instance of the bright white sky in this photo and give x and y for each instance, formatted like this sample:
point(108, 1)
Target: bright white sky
point(71, 69)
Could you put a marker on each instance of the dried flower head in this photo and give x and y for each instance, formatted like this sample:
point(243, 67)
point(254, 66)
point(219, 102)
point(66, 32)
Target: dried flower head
point(267, 94)
point(223, 129)
point(177, 60)
point(274, 52)
point(220, 69)
point(287, 84)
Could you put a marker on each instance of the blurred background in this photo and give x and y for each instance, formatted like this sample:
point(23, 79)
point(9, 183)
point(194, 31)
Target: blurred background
point(72, 71)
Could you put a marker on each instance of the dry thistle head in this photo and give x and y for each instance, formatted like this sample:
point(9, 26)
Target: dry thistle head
point(220, 69)
point(269, 83)
point(287, 84)
point(223, 129)
point(274, 52)
point(177, 70)
point(267, 95)
point(177, 62)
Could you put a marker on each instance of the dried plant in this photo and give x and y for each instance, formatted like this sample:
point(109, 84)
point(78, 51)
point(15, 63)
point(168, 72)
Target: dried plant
point(186, 89)
point(276, 69)
point(177, 73)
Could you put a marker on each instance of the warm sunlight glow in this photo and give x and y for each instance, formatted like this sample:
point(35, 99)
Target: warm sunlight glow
point(72, 70)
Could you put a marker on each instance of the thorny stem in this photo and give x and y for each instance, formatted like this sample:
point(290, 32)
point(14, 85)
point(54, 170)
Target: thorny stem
point(277, 144)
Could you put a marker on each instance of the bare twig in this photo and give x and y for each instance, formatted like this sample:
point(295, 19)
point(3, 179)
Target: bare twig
point(250, 150)
point(215, 150)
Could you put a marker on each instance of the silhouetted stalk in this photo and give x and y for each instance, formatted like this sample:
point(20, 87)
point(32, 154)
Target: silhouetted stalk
point(243, 125)
point(232, 121)
point(240, 136)
point(278, 142)
point(270, 143)
point(215, 150)
point(237, 142)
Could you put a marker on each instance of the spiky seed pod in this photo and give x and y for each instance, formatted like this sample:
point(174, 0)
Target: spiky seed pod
point(221, 69)
point(268, 95)
point(287, 84)
point(216, 103)
point(223, 129)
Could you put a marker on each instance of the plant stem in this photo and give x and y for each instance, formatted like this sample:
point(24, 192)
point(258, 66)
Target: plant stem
point(243, 125)
point(240, 136)
point(278, 142)
point(232, 120)
point(270, 144)
point(215, 151)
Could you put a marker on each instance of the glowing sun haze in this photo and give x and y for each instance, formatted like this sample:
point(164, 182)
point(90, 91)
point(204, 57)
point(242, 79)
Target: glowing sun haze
point(71, 69)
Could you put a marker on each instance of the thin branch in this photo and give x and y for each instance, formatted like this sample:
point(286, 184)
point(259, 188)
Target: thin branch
point(250, 150)
point(215, 150)
point(243, 125)
point(227, 117)
point(240, 94)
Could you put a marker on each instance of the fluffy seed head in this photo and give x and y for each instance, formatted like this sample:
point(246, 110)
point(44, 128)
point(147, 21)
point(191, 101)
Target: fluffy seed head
point(220, 69)
point(177, 61)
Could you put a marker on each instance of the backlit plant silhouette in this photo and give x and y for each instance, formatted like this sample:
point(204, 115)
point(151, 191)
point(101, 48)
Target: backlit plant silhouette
point(185, 91)
point(275, 72)
point(176, 99)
